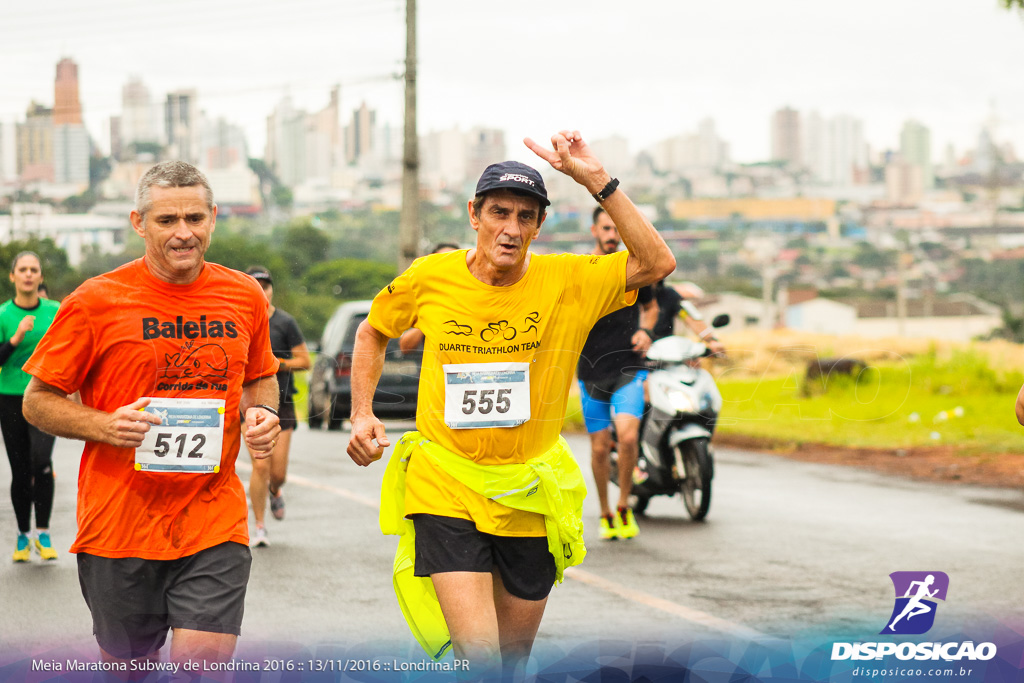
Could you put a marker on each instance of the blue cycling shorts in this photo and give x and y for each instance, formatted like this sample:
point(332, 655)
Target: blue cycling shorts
point(627, 399)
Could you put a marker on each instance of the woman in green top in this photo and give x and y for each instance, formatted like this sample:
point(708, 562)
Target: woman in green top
point(23, 321)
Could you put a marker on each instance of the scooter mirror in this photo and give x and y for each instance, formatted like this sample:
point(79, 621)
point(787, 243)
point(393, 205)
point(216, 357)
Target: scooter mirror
point(721, 320)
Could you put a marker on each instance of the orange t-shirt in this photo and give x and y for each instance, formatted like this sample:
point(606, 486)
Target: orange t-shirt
point(125, 335)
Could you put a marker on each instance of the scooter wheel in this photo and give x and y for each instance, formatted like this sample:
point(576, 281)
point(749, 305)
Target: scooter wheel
point(640, 506)
point(695, 487)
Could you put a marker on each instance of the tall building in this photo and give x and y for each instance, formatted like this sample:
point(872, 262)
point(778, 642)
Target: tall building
point(848, 152)
point(70, 139)
point(692, 151)
point(324, 146)
point(71, 155)
point(903, 182)
point(182, 126)
point(140, 117)
point(286, 143)
point(815, 145)
point(8, 152)
point(35, 145)
point(66, 107)
point(443, 158)
point(116, 140)
point(484, 146)
point(613, 153)
point(359, 139)
point(222, 145)
point(916, 149)
point(786, 137)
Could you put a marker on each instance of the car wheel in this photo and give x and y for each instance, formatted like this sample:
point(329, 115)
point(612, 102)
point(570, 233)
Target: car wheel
point(315, 418)
point(339, 414)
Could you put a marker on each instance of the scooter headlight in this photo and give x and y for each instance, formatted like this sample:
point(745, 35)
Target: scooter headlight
point(680, 400)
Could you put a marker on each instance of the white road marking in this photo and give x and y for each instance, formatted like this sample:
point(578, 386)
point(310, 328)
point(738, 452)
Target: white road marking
point(575, 573)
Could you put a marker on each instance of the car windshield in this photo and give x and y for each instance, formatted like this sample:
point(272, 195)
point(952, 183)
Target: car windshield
point(350, 331)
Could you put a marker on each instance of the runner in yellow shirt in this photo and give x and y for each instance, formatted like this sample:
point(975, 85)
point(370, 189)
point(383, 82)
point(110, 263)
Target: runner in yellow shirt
point(503, 329)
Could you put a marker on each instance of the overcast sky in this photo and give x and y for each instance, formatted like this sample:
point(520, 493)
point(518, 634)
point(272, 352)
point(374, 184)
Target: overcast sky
point(645, 69)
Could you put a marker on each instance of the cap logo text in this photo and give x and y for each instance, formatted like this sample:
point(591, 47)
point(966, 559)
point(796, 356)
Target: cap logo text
point(518, 177)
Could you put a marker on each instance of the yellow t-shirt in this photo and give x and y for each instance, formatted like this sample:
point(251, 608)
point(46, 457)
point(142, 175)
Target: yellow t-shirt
point(543, 321)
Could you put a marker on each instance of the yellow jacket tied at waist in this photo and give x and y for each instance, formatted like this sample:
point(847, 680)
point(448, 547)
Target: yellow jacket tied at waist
point(551, 485)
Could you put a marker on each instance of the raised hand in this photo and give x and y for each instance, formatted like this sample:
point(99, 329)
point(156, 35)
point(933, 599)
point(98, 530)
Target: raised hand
point(571, 155)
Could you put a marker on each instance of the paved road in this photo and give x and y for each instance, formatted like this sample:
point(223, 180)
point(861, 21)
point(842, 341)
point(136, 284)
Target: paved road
point(790, 550)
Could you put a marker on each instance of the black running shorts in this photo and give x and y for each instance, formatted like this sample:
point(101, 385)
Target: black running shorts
point(450, 544)
point(134, 601)
point(286, 413)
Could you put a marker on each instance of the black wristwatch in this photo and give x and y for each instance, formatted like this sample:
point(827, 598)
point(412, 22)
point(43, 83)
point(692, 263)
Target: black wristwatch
point(607, 191)
point(266, 408)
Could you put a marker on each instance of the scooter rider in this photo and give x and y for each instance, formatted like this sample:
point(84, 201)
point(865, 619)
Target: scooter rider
point(611, 375)
point(677, 300)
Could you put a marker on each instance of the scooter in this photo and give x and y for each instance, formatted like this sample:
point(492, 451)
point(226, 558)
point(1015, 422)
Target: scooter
point(675, 432)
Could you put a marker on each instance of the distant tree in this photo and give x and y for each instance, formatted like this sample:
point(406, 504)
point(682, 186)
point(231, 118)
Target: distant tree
point(348, 279)
point(95, 262)
point(239, 251)
point(99, 170)
point(282, 196)
point(870, 256)
point(302, 245)
point(1013, 4)
point(742, 271)
point(151, 148)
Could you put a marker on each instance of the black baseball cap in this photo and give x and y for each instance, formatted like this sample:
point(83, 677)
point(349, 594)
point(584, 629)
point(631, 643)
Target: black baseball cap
point(512, 175)
point(261, 274)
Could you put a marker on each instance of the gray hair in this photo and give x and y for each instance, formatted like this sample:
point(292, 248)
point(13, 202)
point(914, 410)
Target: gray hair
point(170, 174)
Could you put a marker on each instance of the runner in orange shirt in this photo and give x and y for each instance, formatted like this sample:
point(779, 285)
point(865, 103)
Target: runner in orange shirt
point(165, 351)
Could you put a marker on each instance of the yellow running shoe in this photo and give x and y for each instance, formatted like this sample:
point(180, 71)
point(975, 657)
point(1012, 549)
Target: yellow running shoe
point(627, 526)
point(609, 530)
point(23, 552)
point(44, 547)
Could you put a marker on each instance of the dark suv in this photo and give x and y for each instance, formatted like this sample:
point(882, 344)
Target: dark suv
point(330, 388)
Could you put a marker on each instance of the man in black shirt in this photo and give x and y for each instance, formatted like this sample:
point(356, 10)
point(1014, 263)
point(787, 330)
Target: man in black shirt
point(269, 474)
point(677, 300)
point(611, 374)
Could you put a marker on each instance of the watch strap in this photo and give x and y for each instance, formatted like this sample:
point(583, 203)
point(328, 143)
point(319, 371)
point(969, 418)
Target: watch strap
point(607, 190)
point(266, 408)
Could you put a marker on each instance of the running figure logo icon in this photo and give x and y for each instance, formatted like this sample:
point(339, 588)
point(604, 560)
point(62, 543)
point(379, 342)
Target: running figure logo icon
point(916, 592)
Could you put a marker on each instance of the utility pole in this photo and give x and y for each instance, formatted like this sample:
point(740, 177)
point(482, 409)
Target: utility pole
point(409, 225)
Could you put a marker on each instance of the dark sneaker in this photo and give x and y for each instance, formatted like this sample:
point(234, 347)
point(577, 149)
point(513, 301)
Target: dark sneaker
point(277, 505)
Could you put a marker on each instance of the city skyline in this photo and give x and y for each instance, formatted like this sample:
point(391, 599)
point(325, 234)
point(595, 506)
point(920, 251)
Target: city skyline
point(940, 63)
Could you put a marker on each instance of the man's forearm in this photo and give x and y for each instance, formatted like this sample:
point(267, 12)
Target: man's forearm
point(54, 413)
point(650, 259)
point(260, 392)
point(367, 366)
point(649, 316)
